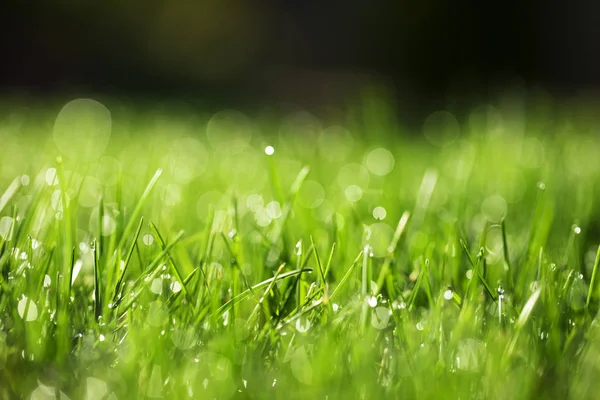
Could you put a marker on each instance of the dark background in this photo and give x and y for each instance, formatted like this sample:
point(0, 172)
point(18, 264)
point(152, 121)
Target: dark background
point(237, 53)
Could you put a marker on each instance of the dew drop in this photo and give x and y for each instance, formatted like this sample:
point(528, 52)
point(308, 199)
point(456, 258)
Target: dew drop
point(372, 301)
point(32, 312)
point(302, 324)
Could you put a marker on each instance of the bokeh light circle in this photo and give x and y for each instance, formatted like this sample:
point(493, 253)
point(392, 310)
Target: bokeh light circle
point(441, 128)
point(380, 161)
point(82, 129)
point(229, 131)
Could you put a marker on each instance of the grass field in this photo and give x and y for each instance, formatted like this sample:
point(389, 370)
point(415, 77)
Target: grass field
point(164, 254)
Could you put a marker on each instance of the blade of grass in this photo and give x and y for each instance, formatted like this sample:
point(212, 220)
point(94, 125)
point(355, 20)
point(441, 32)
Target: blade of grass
point(97, 290)
point(9, 193)
point(346, 276)
point(143, 281)
point(474, 265)
point(257, 286)
point(127, 260)
point(162, 244)
point(511, 281)
point(384, 274)
point(592, 289)
point(138, 208)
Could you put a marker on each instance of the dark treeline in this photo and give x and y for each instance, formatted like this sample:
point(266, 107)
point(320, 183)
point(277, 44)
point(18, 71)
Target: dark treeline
point(238, 52)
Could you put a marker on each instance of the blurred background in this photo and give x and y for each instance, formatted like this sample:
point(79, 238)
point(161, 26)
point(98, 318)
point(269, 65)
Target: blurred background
point(426, 54)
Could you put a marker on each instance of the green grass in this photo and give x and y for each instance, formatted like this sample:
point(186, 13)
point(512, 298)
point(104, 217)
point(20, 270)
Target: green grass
point(185, 262)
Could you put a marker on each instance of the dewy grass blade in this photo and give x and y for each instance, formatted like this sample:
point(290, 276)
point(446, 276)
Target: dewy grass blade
point(511, 281)
point(97, 281)
point(162, 244)
point(592, 290)
point(385, 269)
point(154, 269)
point(346, 276)
point(127, 260)
point(522, 320)
point(257, 286)
point(9, 193)
point(138, 208)
point(318, 259)
point(475, 267)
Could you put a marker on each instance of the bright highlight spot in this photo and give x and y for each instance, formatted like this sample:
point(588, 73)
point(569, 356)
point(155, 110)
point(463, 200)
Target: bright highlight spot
point(448, 294)
point(269, 150)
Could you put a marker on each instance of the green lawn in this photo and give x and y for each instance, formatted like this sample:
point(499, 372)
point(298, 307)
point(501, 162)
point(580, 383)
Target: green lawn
point(182, 255)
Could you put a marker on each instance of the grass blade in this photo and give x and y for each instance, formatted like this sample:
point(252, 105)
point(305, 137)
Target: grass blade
point(592, 289)
point(138, 208)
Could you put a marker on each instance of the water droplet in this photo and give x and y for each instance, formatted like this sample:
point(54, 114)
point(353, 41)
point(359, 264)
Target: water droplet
point(448, 294)
point(335, 307)
point(420, 326)
point(400, 305)
point(175, 287)
point(302, 324)
point(226, 318)
point(157, 286)
point(101, 338)
point(533, 286)
point(28, 304)
point(379, 213)
point(469, 274)
point(371, 301)
point(25, 180)
point(380, 317)
point(51, 177)
point(47, 281)
point(577, 230)
point(269, 150)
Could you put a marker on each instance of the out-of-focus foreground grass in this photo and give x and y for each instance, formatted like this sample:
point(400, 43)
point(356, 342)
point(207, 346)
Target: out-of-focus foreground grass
point(183, 255)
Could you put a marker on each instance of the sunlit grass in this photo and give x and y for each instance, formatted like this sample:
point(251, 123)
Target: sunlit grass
point(223, 257)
